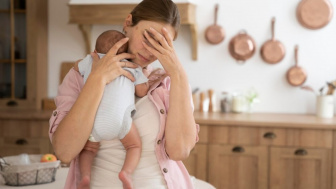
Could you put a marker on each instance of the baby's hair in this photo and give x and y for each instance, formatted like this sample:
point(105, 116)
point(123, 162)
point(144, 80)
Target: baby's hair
point(107, 39)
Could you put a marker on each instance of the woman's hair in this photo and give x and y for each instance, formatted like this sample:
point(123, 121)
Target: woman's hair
point(164, 11)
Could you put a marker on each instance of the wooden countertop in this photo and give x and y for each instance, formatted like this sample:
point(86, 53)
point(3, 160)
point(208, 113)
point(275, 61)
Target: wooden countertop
point(215, 118)
point(25, 114)
point(265, 120)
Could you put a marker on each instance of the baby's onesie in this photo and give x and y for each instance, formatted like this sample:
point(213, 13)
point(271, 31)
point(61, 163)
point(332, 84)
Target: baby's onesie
point(114, 115)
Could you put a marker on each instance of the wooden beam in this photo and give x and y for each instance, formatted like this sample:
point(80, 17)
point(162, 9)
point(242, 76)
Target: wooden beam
point(85, 15)
point(86, 32)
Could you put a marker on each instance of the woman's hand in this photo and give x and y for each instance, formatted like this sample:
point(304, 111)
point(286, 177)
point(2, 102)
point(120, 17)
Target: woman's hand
point(110, 66)
point(162, 47)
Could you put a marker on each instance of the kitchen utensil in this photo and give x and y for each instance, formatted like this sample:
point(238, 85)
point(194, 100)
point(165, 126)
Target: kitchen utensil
point(242, 46)
point(334, 83)
point(272, 51)
point(308, 88)
point(331, 88)
point(201, 102)
point(215, 34)
point(322, 90)
point(314, 14)
point(210, 93)
point(296, 75)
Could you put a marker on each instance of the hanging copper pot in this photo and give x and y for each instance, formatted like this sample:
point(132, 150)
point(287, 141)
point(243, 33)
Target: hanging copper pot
point(314, 14)
point(215, 34)
point(242, 47)
point(272, 51)
point(296, 75)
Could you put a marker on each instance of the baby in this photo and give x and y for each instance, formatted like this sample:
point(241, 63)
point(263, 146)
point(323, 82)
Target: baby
point(114, 115)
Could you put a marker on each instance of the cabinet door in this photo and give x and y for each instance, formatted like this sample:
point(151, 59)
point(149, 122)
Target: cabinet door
point(23, 72)
point(196, 163)
point(300, 168)
point(238, 167)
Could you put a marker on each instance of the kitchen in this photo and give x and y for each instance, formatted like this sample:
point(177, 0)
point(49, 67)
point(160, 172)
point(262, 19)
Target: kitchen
point(216, 69)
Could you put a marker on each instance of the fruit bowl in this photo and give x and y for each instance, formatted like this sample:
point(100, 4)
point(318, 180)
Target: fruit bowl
point(30, 172)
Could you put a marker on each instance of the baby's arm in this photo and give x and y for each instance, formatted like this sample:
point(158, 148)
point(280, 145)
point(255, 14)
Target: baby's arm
point(141, 89)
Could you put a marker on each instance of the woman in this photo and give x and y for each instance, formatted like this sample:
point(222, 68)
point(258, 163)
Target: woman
point(167, 137)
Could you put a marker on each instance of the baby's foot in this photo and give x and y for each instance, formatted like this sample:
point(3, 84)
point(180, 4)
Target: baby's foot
point(84, 183)
point(126, 179)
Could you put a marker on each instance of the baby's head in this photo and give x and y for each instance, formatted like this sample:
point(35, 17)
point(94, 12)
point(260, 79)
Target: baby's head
point(107, 39)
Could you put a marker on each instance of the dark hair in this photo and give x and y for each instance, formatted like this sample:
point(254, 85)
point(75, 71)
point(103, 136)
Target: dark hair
point(164, 11)
point(107, 39)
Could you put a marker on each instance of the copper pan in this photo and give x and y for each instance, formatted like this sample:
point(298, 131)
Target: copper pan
point(272, 51)
point(215, 34)
point(242, 46)
point(314, 14)
point(296, 75)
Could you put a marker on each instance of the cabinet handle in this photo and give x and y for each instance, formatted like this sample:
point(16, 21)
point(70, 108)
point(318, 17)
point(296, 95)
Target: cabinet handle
point(238, 149)
point(21, 142)
point(269, 135)
point(12, 103)
point(300, 152)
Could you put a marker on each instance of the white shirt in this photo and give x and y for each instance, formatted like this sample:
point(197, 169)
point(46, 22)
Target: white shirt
point(110, 157)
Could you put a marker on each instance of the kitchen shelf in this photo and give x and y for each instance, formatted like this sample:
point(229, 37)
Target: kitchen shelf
point(85, 15)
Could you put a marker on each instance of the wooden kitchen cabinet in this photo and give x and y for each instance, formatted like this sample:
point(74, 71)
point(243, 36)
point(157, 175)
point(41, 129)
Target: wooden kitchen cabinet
point(238, 167)
point(197, 162)
point(23, 53)
point(300, 168)
point(24, 132)
point(273, 151)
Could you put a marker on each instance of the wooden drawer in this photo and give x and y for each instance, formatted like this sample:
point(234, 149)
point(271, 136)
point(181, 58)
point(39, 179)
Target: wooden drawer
point(269, 136)
point(296, 137)
point(24, 128)
point(18, 145)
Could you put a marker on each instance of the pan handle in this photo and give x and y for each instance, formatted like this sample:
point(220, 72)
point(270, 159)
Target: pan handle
point(296, 54)
point(216, 12)
point(273, 23)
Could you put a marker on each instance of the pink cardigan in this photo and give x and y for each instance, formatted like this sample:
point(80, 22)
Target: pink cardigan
point(174, 172)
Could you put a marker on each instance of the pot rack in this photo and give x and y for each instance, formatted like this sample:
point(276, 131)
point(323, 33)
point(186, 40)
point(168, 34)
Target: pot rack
point(86, 15)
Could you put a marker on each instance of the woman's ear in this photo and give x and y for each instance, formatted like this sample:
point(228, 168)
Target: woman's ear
point(127, 22)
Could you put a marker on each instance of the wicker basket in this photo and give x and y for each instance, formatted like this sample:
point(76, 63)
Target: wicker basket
point(33, 173)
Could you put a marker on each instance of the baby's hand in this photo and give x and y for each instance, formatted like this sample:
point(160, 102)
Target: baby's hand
point(155, 76)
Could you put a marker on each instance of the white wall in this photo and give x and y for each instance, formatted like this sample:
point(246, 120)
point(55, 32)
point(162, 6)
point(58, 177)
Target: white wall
point(215, 68)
